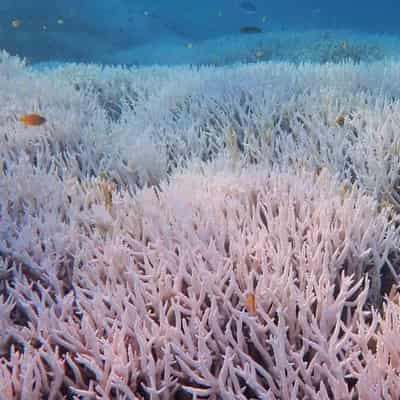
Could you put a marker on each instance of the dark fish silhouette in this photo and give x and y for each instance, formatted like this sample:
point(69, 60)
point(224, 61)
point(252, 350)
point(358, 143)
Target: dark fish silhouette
point(248, 7)
point(250, 29)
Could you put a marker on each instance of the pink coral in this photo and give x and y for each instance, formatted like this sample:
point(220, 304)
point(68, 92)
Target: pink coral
point(128, 247)
point(155, 307)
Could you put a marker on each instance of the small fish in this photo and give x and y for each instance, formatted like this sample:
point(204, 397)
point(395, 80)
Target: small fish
point(250, 29)
point(32, 119)
point(108, 188)
point(259, 53)
point(189, 45)
point(16, 23)
point(60, 21)
point(248, 7)
point(340, 120)
point(264, 19)
point(251, 304)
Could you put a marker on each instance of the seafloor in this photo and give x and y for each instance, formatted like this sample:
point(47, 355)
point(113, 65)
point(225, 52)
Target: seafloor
point(206, 232)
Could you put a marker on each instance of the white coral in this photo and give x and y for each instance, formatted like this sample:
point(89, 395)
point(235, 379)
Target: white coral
point(116, 289)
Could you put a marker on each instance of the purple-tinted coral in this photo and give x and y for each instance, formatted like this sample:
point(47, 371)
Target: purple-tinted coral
point(136, 224)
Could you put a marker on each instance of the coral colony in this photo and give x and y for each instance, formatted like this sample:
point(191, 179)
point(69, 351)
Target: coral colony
point(200, 233)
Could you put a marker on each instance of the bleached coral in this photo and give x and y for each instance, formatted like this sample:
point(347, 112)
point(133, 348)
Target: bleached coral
point(158, 305)
point(129, 243)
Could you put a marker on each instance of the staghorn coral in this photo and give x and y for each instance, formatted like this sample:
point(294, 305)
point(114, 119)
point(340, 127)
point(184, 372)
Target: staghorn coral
point(140, 124)
point(157, 306)
point(220, 185)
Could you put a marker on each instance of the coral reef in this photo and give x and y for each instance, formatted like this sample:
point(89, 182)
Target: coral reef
point(187, 233)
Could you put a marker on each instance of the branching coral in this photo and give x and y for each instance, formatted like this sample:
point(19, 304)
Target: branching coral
point(157, 307)
point(225, 239)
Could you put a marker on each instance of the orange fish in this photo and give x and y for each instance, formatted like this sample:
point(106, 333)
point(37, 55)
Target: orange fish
point(251, 304)
point(32, 119)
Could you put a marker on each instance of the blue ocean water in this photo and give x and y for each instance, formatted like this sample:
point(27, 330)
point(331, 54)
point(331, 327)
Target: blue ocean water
point(195, 32)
